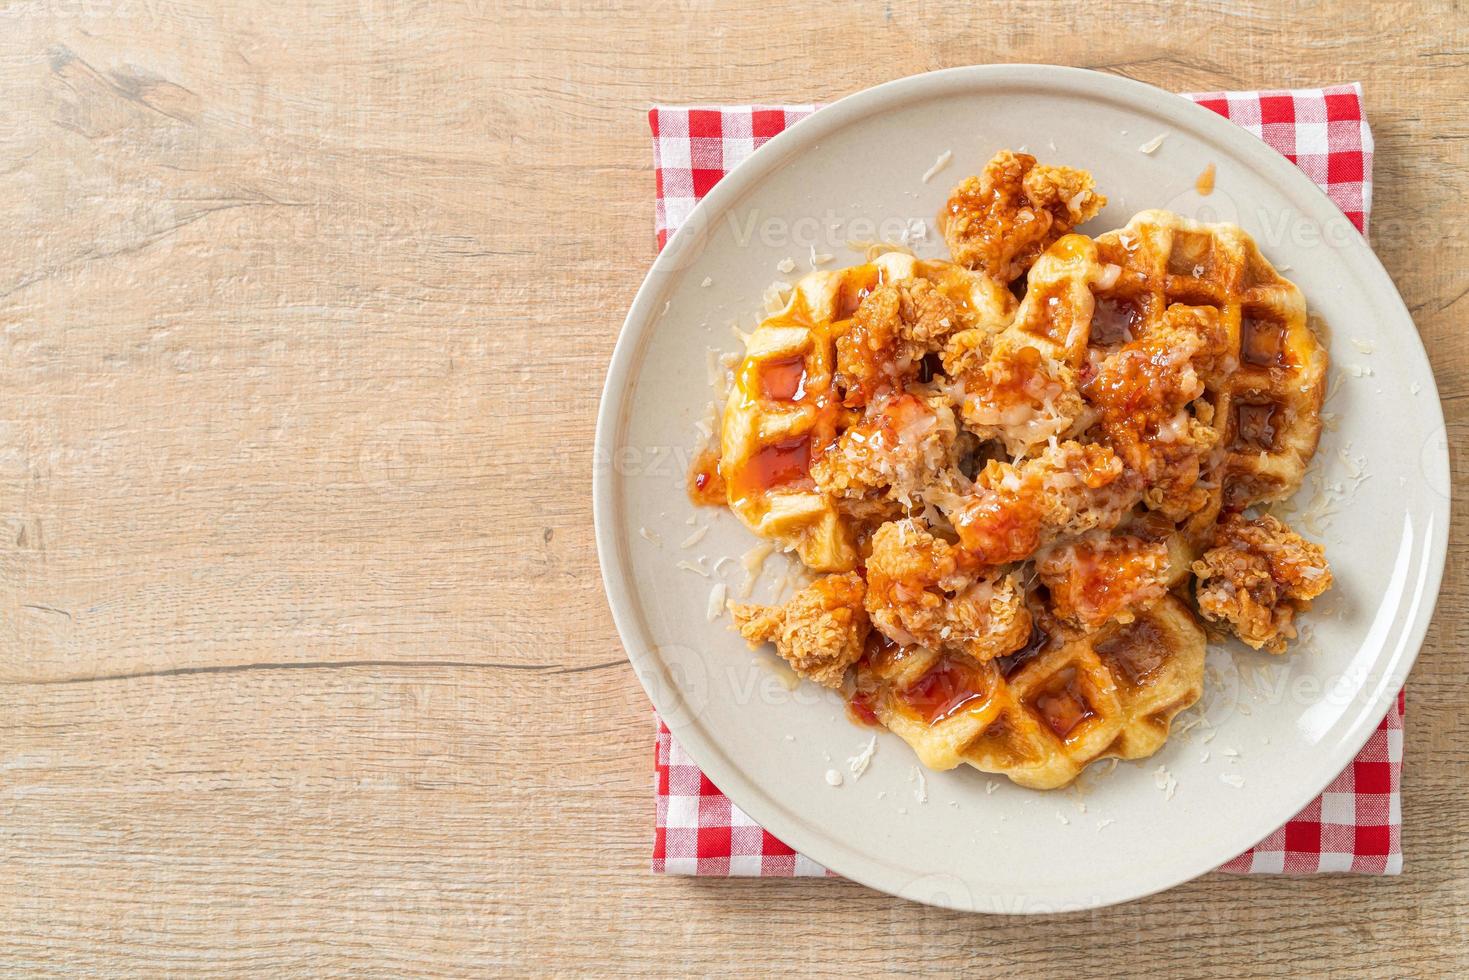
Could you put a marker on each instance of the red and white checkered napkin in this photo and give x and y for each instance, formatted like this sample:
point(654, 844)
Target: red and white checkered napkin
point(1355, 824)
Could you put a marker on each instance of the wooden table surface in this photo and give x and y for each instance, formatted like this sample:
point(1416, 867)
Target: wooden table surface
point(304, 659)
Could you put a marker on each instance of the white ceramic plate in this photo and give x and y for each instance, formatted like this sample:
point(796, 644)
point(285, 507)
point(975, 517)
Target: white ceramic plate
point(1282, 728)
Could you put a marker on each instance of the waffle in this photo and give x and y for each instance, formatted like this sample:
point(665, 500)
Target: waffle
point(1041, 715)
point(1029, 493)
point(1265, 405)
point(784, 408)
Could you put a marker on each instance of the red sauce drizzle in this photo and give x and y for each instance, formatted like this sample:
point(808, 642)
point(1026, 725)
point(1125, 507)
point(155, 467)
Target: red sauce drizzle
point(1114, 322)
point(1205, 183)
point(1010, 663)
point(947, 687)
point(996, 528)
point(1063, 704)
point(1255, 425)
point(860, 708)
point(1262, 342)
point(778, 464)
point(705, 485)
point(785, 379)
point(850, 298)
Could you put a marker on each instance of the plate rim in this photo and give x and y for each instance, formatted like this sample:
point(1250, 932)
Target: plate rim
point(615, 407)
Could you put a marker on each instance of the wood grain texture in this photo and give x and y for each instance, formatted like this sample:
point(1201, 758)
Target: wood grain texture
point(304, 660)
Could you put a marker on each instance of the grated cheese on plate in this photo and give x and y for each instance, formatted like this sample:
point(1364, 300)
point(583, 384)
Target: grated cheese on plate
point(859, 762)
point(753, 562)
point(716, 602)
point(939, 164)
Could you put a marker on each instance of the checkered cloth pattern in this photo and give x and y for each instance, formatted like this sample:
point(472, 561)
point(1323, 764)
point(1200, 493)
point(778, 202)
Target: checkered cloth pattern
point(1355, 825)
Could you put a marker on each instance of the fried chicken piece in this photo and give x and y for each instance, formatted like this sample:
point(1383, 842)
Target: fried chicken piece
point(1258, 575)
point(1001, 221)
point(1101, 576)
point(1013, 393)
point(894, 452)
point(967, 352)
point(820, 631)
point(894, 326)
point(1143, 393)
point(926, 316)
point(1068, 489)
point(921, 590)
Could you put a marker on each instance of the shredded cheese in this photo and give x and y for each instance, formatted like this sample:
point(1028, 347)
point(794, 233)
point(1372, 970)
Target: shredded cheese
point(939, 164)
point(754, 563)
point(716, 602)
point(859, 762)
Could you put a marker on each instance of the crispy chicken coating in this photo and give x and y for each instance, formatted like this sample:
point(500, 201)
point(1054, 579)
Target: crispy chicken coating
point(1068, 489)
point(967, 352)
point(1144, 392)
point(1000, 221)
point(1101, 576)
point(820, 631)
point(921, 590)
point(1258, 575)
point(894, 326)
point(1013, 392)
point(898, 448)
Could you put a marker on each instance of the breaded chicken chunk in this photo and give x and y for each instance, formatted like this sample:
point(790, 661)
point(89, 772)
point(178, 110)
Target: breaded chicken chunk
point(1012, 392)
point(896, 450)
point(920, 590)
point(1001, 221)
point(1258, 575)
point(820, 631)
point(1068, 489)
point(1101, 576)
point(1143, 393)
point(894, 326)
